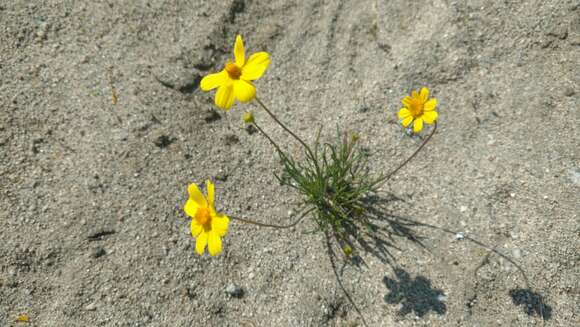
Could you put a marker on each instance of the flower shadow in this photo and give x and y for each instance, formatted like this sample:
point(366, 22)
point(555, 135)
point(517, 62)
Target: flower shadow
point(533, 302)
point(414, 294)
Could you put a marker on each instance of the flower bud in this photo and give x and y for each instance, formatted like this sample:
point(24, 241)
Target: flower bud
point(347, 250)
point(248, 117)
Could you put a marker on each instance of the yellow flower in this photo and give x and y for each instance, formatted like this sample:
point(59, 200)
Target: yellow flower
point(418, 109)
point(207, 226)
point(234, 81)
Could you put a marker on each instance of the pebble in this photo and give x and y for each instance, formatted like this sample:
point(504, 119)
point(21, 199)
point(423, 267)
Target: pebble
point(463, 208)
point(569, 91)
point(98, 252)
point(91, 307)
point(234, 290)
point(574, 176)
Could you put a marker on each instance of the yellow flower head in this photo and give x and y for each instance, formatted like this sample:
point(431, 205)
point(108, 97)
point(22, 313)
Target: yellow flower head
point(207, 226)
point(418, 109)
point(234, 81)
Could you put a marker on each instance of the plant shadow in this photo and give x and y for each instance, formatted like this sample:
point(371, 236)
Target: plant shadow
point(532, 302)
point(377, 231)
point(414, 294)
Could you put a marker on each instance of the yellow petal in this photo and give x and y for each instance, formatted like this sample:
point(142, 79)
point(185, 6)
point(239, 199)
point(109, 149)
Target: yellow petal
point(219, 224)
point(256, 66)
point(407, 121)
point(415, 94)
point(196, 196)
point(404, 113)
point(406, 101)
point(417, 125)
point(196, 228)
point(190, 208)
point(430, 105)
point(224, 97)
point(430, 116)
point(239, 51)
point(200, 243)
point(211, 81)
point(244, 90)
point(210, 192)
point(424, 94)
point(214, 244)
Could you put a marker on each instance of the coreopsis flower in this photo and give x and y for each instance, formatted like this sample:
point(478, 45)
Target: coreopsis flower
point(418, 109)
point(207, 226)
point(235, 80)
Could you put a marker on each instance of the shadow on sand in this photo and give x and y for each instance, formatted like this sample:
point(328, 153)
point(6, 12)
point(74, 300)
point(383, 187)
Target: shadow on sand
point(532, 302)
point(379, 233)
point(414, 294)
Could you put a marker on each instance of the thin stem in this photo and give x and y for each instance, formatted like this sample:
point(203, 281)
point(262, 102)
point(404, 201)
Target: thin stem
point(272, 225)
point(268, 137)
point(286, 128)
point(404, 163)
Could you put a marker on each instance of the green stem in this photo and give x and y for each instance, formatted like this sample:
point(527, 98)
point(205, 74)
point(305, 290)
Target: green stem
point(287, 129)
point(271, 225)
point(383, 179)
point(269, 139)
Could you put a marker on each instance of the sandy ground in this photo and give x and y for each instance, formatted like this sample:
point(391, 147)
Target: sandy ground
point(91, 227)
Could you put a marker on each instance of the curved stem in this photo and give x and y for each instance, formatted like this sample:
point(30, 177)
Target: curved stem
point(404, 163)
point(272, 225)
point(268, 137)
point(286, 128)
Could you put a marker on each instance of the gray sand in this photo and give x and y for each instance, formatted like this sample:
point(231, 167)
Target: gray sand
point(92, 230)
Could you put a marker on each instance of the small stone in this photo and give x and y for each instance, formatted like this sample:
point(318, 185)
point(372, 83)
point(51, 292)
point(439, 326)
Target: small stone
point(221, 176)
point(42, 30)
point(559, 31)
point(517, 253)
point(234, 290)
point(231, 139)
point(569, 91)
point(98, 252)
point(463, 208)
point(163, 141)
point(91, 307)
point(212, 116)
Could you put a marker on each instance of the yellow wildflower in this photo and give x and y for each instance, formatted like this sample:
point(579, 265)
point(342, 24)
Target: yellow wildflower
point(418, 109)
point(234, 81)
point(207, 226)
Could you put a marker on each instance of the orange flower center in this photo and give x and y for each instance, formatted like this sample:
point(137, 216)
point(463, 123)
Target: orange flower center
point(416, 107)
point(202, 216)
point(233, 70)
